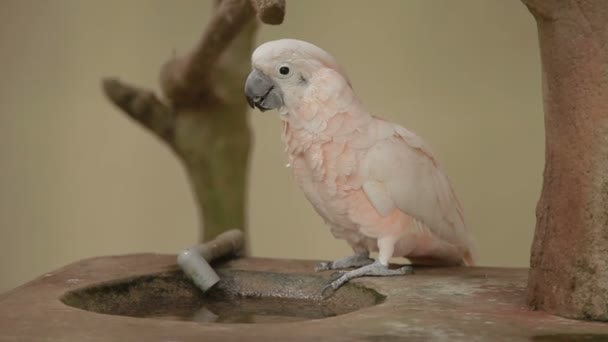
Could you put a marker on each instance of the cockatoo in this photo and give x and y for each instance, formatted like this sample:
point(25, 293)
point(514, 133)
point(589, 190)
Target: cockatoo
point(375, 184)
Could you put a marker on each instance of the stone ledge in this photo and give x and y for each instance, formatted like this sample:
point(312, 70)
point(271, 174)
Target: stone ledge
point(452, 304)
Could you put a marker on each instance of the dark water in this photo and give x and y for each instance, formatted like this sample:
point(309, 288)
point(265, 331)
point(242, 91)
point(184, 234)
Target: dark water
point(244, 310)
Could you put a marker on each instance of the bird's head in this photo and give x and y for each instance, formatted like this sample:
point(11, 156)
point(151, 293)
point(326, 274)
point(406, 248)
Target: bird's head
point(285, 71)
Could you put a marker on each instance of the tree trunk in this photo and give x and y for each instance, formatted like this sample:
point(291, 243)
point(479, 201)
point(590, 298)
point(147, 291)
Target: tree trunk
point(569, 263)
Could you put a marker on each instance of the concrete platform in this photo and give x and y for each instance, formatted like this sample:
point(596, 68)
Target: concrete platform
point(433, 304)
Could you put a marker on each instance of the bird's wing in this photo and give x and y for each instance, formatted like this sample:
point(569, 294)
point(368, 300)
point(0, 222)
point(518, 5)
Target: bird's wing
point(400, 172)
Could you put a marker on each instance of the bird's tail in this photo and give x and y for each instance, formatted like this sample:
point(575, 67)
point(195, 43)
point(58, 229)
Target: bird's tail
point(468, 259)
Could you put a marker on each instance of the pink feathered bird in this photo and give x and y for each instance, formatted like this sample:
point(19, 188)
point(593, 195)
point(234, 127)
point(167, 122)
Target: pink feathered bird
point(375, 183)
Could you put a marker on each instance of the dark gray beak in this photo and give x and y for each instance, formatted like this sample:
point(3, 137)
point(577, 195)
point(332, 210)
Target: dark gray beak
point(262, 92)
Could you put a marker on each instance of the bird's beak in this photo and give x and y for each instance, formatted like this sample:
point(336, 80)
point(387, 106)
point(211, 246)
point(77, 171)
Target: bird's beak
point(262, 92)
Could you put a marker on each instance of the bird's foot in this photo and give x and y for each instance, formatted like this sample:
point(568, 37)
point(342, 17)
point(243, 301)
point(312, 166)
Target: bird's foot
point(357, 260)
point(375, 269)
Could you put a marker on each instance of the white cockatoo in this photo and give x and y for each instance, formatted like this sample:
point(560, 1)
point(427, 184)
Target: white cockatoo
point(376, 184)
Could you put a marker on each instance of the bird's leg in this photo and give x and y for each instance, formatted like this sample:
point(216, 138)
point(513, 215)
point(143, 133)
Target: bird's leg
point(378, 268)
point(359, 259)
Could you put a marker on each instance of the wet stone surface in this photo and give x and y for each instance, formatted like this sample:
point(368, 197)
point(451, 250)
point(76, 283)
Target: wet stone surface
point(240, 297)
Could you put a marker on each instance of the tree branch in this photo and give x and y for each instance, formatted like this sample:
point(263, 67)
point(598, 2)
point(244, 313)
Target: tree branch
point(143, 106)
point(185, 79)
point(271, 12)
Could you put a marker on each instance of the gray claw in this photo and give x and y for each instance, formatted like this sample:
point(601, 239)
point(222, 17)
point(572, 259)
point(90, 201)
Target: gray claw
point(357, 260)
point(328, 290)
point(339, 278)
point(406, 270)
point(323, 266)
point(336, 275)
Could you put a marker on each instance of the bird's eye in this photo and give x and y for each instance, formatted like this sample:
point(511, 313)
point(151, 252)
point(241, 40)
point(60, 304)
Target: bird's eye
point(284, 71)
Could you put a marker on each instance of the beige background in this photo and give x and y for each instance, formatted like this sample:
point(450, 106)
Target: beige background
point(79, 179)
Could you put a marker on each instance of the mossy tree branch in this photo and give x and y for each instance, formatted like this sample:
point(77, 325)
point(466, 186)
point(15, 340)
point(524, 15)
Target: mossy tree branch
point(204, 120)
point(142, 106)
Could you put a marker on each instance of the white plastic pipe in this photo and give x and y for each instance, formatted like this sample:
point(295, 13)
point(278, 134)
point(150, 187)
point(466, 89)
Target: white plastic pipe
point(194, 261)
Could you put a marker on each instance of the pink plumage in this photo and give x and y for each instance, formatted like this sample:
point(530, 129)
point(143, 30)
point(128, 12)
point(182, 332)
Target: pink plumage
point(375, 183)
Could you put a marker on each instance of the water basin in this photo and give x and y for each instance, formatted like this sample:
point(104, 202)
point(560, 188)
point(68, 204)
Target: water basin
point(240, 297)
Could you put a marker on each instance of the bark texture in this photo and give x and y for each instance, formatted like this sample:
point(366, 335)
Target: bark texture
point(204, 117)
point(569, 264)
